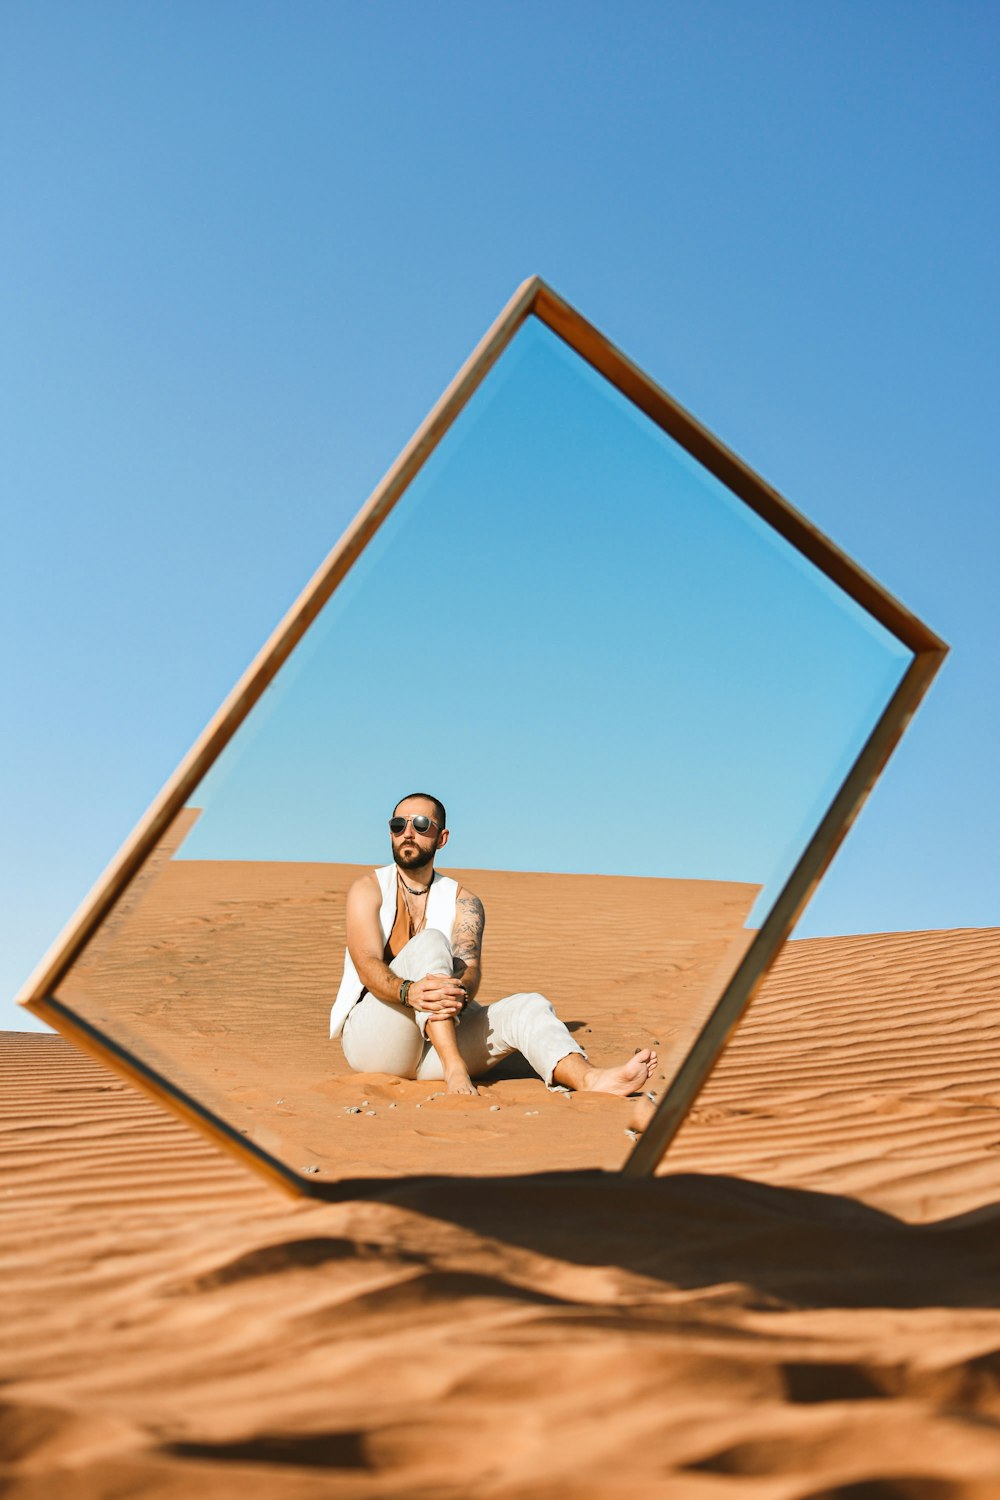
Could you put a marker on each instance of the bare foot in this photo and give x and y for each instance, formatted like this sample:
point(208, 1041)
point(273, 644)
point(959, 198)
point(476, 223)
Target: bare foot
point(458, 1080)
point(628, 1079)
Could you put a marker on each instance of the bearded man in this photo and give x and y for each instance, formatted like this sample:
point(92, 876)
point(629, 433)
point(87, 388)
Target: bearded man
point(407, 1002)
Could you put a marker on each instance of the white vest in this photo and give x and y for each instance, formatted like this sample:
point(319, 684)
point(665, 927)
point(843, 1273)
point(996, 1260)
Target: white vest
point(441, 899)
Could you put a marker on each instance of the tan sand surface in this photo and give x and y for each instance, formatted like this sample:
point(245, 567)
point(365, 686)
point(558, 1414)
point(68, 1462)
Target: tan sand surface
point(805, 1306)
point(221, 975)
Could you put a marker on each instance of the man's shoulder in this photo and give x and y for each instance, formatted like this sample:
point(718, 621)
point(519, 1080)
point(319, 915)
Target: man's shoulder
point(366, 886)
point(465, 897)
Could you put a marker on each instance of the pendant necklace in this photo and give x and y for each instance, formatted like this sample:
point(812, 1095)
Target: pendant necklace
point(416, 925)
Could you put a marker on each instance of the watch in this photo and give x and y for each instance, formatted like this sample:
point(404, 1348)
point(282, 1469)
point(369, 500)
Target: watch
point(404, 990)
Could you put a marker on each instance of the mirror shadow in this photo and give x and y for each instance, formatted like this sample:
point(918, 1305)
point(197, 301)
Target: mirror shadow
point(637, 701)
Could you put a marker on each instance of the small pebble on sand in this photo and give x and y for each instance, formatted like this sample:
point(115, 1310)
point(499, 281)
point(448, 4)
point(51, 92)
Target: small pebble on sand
point(633, 1135)
point(494, 1109)
point(352, 1109)
point(531, 1111)
point(392, 1106)
point(310, 1169)
point(369, 1111)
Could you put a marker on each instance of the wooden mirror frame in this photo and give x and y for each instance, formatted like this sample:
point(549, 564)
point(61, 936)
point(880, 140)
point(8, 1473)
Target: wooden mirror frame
point(533, 299)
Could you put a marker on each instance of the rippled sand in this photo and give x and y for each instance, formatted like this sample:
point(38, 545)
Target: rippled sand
point(804, 1305)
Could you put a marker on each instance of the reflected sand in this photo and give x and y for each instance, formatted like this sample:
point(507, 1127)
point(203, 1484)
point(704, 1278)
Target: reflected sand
point(220, 974)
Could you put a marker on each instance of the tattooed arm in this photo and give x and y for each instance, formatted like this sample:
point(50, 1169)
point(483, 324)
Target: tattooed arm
point(467, 941)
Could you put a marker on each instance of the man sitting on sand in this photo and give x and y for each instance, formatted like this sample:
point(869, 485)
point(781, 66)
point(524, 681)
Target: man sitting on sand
point(406, 1004)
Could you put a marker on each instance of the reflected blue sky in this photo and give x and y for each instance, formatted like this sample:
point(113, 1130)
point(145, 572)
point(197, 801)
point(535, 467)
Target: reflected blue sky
point(572, 633)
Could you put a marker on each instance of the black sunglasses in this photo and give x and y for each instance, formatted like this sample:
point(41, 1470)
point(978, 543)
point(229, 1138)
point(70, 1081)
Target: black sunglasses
point(421, 824)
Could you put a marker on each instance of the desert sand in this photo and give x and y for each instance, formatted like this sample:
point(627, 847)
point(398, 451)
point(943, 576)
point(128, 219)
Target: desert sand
point(220, 975)
point(803, 1305)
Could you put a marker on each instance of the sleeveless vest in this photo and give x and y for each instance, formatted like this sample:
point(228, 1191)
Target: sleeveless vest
point(441, 901)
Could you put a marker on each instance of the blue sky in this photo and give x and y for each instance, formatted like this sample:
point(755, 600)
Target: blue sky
point(650, 681)
point(245, 246)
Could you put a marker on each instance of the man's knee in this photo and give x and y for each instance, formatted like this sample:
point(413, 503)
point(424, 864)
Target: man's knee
point(429, 941)
point(530, 1002)
point(429, 951)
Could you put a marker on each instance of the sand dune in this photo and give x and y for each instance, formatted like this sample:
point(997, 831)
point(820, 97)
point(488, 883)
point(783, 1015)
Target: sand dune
point(882, 1056)
point(806, 1305)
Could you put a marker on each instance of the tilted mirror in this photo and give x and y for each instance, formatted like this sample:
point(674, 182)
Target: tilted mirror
point(651, 698)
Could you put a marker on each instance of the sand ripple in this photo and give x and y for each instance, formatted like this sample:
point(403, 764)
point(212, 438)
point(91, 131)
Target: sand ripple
point(807, 1306)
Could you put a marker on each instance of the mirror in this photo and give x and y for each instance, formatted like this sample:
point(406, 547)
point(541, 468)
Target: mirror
point(639, 701)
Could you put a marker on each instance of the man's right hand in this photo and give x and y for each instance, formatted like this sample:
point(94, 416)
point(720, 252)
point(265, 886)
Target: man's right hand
point(440, 995)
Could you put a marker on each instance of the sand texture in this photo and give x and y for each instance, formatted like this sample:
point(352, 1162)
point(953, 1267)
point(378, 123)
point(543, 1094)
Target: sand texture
point(805, 1306)
point(221, 975)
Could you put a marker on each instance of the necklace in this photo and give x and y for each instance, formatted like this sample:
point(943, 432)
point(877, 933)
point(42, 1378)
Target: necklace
point(416, 923)
point(419, 890)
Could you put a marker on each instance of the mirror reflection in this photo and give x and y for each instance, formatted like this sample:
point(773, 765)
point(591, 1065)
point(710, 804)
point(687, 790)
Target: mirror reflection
point(635, 702)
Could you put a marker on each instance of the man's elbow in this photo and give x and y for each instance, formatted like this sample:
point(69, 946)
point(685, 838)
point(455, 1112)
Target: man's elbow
point(471, 978)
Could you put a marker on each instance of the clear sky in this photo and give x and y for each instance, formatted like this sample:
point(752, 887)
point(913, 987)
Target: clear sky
point(244, 247)
point(651, 681)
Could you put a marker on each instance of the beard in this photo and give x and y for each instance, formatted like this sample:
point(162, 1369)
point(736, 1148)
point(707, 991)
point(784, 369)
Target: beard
point(412, 857)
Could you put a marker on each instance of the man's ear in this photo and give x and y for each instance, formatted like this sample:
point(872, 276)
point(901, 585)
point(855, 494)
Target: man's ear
point(442, 838)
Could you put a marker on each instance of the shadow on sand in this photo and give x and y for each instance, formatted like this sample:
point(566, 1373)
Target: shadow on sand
point(790, 1246)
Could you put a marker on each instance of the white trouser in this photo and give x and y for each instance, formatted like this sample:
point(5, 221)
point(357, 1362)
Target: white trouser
point(384, 1037)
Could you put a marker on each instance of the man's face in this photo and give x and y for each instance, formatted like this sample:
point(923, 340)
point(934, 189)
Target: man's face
point(412, 850)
